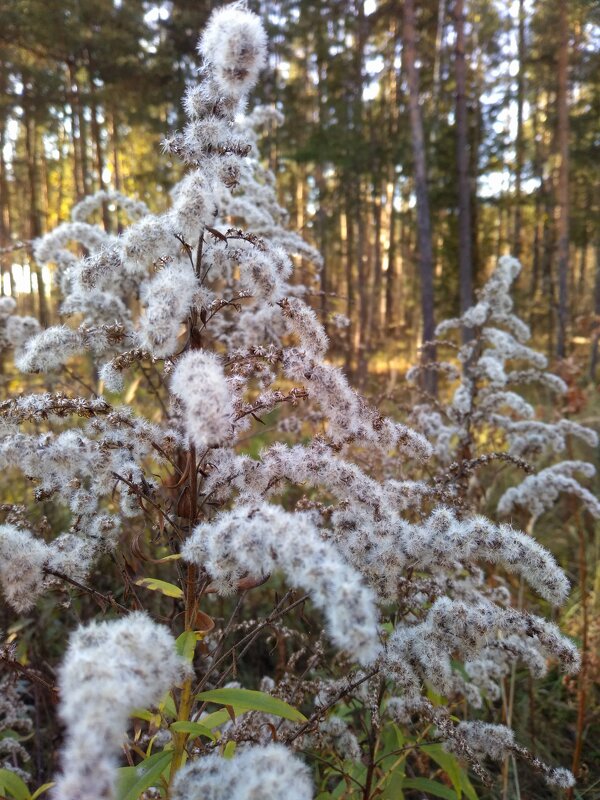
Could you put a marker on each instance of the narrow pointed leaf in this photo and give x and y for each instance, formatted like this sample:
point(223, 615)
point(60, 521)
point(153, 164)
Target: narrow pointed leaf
point(132, 781)
point(186, 645)
point(12, 785)
point(168, 589)
point(194, 728)
point(250, 700)
point(430, 787)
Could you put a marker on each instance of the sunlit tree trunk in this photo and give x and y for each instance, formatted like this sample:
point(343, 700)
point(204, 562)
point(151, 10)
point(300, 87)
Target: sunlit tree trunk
point(425, 251)
point(5, 221)
point(563, 181)
point(391, 276)
point(97, 137)
point(465, 262)
point(520, 142)
point(35, 213)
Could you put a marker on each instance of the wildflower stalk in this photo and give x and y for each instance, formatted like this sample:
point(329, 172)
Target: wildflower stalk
point(582, 682)
point(191, 599)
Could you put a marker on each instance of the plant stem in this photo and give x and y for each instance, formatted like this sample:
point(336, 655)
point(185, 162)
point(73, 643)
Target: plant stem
point(582, 678)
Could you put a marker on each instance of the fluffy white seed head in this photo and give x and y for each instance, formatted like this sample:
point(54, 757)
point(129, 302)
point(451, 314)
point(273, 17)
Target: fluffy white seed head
point(49, 350)
point(22, 558)
point(269, 772)
point(167, 298)
point(234, 48)
point(109, 669)
point(257, 539)
point(539, 493)
point(206, 397)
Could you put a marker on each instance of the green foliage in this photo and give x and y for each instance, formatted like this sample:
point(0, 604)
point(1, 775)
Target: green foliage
point(132, 781)
point(241, 700)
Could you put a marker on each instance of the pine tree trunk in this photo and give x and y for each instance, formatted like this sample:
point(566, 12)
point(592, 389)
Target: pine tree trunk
point(563, 182)
point(465, 263)
point(375, 308)
point(390, 284)
point(97, 138)
point(425, 252)
point(596, 337)
point(75, 132)
point(5, 228)
point(350, 286)
point(520, 142)
point(35, 214)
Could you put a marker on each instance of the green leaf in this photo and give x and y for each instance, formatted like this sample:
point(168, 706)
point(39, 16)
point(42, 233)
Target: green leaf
point(168, 589)
point(132, 781)
point(167, 706)
point(172, 557)
point(449, 764)
point(192, 727)
point(12, 784)
point(467, 786)
point(186, 645)
point(250, 700)
point(431, 787)
point(229, 750)
point(41, 789)
point(393, 785)
point(142, 713)
point(10, 734)
point(215, 719)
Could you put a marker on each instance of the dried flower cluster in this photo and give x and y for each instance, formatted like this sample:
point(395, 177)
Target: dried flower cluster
point(110, 668)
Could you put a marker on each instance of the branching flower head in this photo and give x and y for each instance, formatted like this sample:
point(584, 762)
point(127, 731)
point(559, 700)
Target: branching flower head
point(109, 669)
point(272, 771)
point(255, 540)
point(234, 45)
point(200, 384)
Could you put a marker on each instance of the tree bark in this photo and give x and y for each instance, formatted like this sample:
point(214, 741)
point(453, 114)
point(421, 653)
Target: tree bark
point(425, 250)
point(465, 262)
point(75, 132)
point(596, 336)
point(520, 142)
point(563, 181)
point(375, 309)
point(390, 283)
point(35, 214)
point(5, 220)
point(97, 138)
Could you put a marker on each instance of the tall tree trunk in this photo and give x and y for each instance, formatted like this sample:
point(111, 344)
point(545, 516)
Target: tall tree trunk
point(520, 142)
point(425, 251)
point(539, 205)
point(321, 225)
point(437, 57)
point(350, 283)
point(97, 137)
point(596, 337)
point(465, 262)
point(82, 127)
point(35, 214)
point(75, 132)
point(5, 220)
point(563, 181)
point(375, 308)
point(321, 53)
point(363, 289)
point(362, 344)
point(390, 284)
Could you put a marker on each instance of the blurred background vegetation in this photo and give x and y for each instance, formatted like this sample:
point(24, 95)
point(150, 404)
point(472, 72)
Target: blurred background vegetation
point(88, 88)
point(412, 155)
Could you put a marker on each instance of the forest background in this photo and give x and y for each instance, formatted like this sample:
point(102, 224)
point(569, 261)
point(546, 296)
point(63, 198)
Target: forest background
point(419, 143)
point(502, 149)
